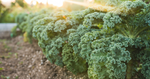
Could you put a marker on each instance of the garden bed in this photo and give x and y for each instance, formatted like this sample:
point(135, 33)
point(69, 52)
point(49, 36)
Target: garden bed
point(20, 60)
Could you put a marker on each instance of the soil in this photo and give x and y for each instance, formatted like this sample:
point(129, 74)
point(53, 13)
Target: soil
point(21, 60)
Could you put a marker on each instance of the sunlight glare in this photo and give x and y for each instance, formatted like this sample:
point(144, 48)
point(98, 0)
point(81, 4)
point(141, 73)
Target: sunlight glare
point(93, 6)
point(90, 0)
point(34, 2)
point(57, 3)
point(28, 1)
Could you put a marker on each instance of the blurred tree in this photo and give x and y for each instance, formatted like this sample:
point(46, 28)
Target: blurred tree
point(1, 7)
point(21, 3)
point(3, 10)
point(12, 4)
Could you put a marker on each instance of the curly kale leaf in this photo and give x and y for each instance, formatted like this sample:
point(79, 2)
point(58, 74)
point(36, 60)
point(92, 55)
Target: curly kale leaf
point(144, 57)
point(73, 62)
point(109, 57)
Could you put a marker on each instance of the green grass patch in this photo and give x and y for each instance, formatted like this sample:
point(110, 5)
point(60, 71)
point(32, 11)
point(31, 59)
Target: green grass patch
point(16, 77)
point(1, 69)
point(10, 53)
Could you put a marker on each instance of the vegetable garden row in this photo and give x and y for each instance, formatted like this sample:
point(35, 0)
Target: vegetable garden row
point(106, 45)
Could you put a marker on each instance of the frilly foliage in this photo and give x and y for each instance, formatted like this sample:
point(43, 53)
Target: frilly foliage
point(21, 18)
point(26, 21)
point(108, 45)
point(73, 62)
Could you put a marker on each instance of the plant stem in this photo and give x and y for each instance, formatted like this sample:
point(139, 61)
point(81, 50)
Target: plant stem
point(129, 70)
point(141, 31)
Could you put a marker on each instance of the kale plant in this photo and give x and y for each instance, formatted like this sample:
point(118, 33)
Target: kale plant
point(111, 44)
point(25, 22)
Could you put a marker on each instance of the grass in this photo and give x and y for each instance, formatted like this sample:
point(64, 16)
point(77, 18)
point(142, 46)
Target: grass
point(1, 69)
point(10, 53)
point(16, 55)
point(4, 77)
point(0, 62)
point(7, 57)
point(16, 77)
point(21, 62)
point(6, 47)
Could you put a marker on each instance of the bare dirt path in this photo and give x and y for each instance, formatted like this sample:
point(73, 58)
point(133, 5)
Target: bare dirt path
point(20, 60)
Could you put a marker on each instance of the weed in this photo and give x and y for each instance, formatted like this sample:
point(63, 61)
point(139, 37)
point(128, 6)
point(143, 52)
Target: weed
point(10, 53)
point(16, 55)
point(21, 62)
point(7, 48)
point(7, 57)
point(3, 76)
point(1, 69)
point(16, 77)
point(3, 57)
